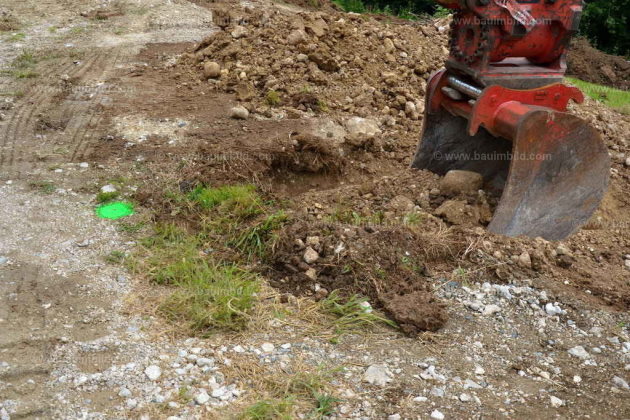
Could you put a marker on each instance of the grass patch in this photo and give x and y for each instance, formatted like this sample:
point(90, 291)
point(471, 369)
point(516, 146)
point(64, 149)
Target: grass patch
point(241, 201)
point(274, 409)
point(16, 37)
point(352, 313)
point(131, 228)
point(116, 257)
point(23, 66)
point(104, 197)
point(272, 98)
point(257, 239)
point(224, 226)
point(210, 296)
point(301, 395)
point(45, 187)
point(614, 98)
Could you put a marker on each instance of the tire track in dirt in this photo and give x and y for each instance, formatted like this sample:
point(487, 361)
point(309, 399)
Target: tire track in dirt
point(38, 97)
point(86, 127)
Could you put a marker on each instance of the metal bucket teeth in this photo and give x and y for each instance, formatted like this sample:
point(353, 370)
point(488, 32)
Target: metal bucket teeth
point(553, 183)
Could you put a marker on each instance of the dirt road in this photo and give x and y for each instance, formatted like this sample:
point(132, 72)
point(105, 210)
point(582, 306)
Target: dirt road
point(95, 92)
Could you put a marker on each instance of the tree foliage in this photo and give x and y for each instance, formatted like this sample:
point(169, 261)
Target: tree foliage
point(606, 23)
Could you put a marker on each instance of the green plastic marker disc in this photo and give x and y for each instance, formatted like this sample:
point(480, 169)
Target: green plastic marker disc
point(115, 210)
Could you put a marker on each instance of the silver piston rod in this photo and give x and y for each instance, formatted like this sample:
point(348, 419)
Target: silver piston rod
point(463, 87)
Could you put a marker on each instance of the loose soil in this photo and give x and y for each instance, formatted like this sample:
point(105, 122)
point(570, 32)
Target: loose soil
point(592, 65)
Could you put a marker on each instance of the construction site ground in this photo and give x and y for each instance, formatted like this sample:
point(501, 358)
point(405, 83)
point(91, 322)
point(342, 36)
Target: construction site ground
point(319, 112)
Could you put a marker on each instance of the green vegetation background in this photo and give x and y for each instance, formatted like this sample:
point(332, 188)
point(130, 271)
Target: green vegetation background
point(606, 23)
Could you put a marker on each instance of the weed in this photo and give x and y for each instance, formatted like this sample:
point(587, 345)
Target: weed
point(257, 239)
point(77, 30)
point(325, 403)
point(273, 409)
point(17, 37)
point(104, 197)
point(22, 66)
point(239, 200)
point(115, 257)
point(45, 187)
point(352, 313)
point(412, 219)
point(210, 296)
point(131, 227)
point(273, 98)
point(52, 29)
point(300, 390)
point(322, 106)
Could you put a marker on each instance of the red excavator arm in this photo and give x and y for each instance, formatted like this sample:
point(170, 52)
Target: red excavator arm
point(499, 109)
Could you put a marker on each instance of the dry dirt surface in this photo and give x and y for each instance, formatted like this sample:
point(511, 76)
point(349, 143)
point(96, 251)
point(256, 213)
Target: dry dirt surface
point(321, 111)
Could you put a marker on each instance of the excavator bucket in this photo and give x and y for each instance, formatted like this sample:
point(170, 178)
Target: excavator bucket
point(553, 172)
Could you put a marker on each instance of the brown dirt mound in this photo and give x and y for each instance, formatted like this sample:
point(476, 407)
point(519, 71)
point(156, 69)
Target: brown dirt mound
point(587, 63)
point(388, 264)
point(311, 60)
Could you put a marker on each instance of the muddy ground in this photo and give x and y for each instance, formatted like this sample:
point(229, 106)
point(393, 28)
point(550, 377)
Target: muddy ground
point(126, 90)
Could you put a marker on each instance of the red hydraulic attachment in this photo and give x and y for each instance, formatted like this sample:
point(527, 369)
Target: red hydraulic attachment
point(499, 109)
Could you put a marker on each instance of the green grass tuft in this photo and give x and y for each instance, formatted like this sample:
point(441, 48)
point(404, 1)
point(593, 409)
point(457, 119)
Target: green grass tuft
point(23, 66)
point(45, 187)
point(614, 98)
point(210, 296)
point(274, 409)
point(241, 201)
point(351, 313)
point(257, 239)
point(104, 197)
point(273, 98)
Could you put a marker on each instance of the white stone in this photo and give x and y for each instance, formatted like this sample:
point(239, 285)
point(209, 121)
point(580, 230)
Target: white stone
point(420, 399)
point(153, 372)
point(84, 165)
point(203, 361)
point(124, 392)
point(239, 32)
point(437, 415)
point(267, 347)
point(580, 352)
point(377, 375)
point(239, 112)
point(394, 417)
point(620, 382)
point(577, 379)
point(310, 255)
point(202, 397)
point(553, 309)
point(359, 127)
point(109, 188)
point(464, 397)
point(556, 402)
point(491, 309)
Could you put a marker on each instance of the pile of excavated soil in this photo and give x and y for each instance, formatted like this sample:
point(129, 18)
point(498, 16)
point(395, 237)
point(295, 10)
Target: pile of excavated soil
point(309, 63)
point(592, 65)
